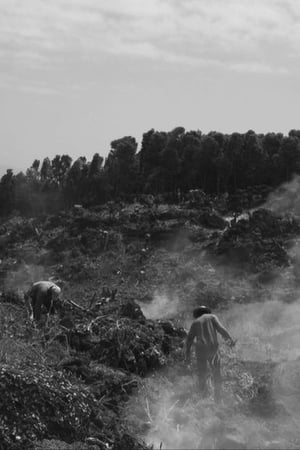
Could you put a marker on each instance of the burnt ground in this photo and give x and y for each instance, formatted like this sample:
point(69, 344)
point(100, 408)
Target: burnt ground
point(110, 374)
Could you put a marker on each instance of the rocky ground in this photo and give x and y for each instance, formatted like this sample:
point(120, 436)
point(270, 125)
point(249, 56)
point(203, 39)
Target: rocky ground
point(108, 372)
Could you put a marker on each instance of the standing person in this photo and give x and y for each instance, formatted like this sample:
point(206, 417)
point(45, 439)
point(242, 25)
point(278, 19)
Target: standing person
point(204, 329)
point(42, 295)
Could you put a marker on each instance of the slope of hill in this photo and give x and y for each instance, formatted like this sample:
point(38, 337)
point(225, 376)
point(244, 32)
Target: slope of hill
point(116, 359)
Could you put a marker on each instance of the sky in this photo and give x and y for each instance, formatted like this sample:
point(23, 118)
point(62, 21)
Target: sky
point(77, 74)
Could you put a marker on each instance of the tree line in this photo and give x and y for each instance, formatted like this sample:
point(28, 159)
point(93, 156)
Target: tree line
point(172, 161)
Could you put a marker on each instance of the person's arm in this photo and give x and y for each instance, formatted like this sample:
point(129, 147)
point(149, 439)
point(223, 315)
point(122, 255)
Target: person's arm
point(53, 296)
point(189, 341)
point(222, 330)
point(28, 305)
point(37, 305)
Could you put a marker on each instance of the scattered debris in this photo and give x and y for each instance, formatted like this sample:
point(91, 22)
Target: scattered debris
point(257, 242)
point(37, 404)
point(89, 362)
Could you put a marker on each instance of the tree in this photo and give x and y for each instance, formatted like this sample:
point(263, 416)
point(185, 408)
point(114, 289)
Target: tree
point(170, 159)
point(7, 192)
point(253, 159)
point(36, 165)
point(290, 156)
point(46, 170)
point(294, 133)
point(95, 166)
point(207, 173)
point(76, 181)
point(190, 149)
point(271, 143)
point(96, 183)
point(153, 144)
point(60, 165)
point(234, 153)
point(121, 165)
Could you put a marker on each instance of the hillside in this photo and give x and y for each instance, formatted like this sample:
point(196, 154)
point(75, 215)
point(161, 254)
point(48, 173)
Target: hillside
point(108, 372)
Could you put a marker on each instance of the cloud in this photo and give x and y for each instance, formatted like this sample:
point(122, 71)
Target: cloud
point(261, 36)
point(38, 88)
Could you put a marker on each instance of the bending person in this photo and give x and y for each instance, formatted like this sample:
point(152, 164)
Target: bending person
point(43, 295)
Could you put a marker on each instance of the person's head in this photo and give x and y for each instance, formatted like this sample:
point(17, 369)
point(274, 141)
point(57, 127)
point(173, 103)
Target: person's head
point(200, 310)
point(55, 297)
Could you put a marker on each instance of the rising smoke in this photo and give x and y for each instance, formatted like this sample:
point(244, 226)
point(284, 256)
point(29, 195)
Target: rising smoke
point(164, 305)
point(286, 198)
point(267, 330)
point(23, 276)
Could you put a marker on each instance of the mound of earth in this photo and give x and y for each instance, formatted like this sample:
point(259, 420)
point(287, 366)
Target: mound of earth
point(258, 241)
point(37, 404)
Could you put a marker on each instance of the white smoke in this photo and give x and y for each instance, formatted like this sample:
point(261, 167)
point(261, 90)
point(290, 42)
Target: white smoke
point(267, 331)
point(180, 419)
point(163, 306)
point(23, 276)
point(265, 321)
point(286, 198)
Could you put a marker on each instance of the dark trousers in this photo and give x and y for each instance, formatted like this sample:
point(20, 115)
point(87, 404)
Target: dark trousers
point(208, 357)
point(40, 300)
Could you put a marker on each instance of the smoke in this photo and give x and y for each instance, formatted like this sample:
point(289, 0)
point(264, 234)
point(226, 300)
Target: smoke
point(163, 306)
point(268, 336)
point(267, 331)
point(286, 198)
point(20, 278)
point(261, 374)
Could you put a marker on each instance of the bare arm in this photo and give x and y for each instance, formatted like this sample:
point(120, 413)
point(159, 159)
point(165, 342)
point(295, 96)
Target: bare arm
point(224, 333)
point(28, 306)
point(189, 341)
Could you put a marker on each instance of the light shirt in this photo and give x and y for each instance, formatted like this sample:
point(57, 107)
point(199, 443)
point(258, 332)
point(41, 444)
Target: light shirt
point(205, 329)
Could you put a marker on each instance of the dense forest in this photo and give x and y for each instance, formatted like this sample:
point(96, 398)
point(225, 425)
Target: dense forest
point(168, 162)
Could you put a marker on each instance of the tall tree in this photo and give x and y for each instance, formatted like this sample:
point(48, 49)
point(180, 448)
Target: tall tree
point(153, 144)
point(290, 156)
point(191, 145)
point(76, 181)
point(95, 166)
point(96, 183)
point(121, 165)
point(7, 192)
point(60, 165)
point(271, 143)
point(253, 159)
point(235, 154)
point(46, 170)
point(170, 159)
